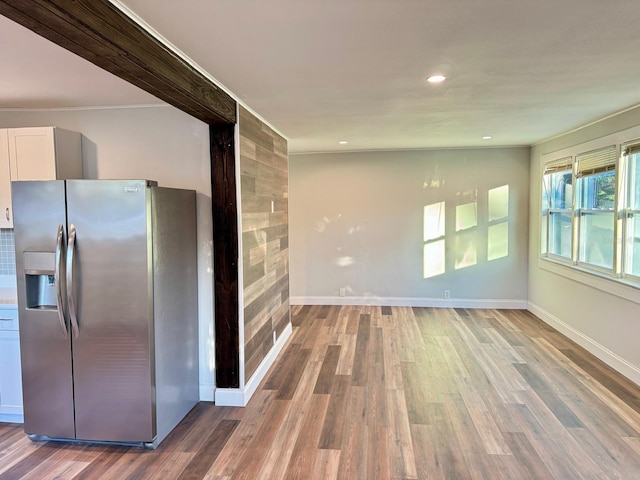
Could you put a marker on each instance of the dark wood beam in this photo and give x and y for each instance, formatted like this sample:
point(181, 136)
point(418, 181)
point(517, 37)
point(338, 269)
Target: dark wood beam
point(99, 32)
point(225, 255)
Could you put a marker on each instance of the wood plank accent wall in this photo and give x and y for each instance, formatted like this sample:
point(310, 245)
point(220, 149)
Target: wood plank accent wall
point(264, 177)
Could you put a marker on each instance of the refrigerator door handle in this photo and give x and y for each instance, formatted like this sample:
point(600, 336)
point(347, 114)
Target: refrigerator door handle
point(71, 247)
point(59, 300)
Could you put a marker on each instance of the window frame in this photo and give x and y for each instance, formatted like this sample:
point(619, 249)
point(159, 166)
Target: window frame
point(628, 208)
point(582, 212)
point(627, 239)
point(560, 165)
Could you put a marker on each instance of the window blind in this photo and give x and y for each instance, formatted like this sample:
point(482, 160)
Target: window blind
point(558, 165)
point(597, 161)
point(631, 149)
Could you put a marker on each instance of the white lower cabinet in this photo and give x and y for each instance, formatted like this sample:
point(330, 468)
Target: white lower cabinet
point(10, 371)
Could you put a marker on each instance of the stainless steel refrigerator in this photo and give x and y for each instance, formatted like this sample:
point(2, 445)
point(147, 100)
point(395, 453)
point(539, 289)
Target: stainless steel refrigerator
point(107, 297)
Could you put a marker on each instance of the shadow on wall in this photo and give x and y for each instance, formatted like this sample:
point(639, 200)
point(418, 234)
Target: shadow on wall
point(89, 158)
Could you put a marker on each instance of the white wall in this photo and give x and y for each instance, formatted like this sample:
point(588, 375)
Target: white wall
point(600, 315)
point(157, 143)
point(356, 222)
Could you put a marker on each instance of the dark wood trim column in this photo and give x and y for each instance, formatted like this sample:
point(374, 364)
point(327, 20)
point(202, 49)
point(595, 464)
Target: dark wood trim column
point(225, 255)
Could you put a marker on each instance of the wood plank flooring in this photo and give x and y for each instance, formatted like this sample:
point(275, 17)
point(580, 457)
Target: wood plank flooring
point(390, 393)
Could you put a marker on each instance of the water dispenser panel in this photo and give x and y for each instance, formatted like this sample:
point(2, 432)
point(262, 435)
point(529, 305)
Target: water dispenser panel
point(39, 271)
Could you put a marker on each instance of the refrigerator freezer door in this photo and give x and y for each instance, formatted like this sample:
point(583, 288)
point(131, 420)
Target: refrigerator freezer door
point(39, 210)
point(112, 298)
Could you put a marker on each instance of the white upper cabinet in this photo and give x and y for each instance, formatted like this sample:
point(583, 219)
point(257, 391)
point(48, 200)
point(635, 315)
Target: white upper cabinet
point(36, 153)
point(6, 215)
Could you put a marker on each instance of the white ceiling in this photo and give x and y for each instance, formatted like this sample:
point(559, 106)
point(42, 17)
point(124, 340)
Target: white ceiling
point(331, 70)
point(36, 73)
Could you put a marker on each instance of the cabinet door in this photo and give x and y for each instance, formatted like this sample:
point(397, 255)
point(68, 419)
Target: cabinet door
point(8, 318)
point(10, 374)
point(6, 215)
point(32, 153)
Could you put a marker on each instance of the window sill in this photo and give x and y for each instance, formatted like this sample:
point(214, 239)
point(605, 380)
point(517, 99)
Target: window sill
point(615, 286)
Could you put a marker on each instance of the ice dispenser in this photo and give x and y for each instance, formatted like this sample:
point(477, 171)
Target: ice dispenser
point(39, 271)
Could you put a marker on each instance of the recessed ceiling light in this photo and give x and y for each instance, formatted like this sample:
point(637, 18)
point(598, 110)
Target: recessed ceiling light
point(436, 78)
point(487, 137)
point(343, 142)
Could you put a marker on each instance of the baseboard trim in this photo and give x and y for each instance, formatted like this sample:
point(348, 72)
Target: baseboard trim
point(207, 392)
point(607, 356)
point(413, 302)
point(11, 418)
point(239, 397)
point(229, 397)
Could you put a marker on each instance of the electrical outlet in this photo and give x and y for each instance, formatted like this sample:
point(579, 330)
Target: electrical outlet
point(342, 292)
point(447, 294)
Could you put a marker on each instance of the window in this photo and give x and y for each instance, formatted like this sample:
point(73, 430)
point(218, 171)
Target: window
point(557, 201)
point(631, 220)
point(596, 201)
point(590, 213)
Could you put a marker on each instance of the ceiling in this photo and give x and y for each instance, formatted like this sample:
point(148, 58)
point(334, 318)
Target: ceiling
point(39, 74)
point(355, 70)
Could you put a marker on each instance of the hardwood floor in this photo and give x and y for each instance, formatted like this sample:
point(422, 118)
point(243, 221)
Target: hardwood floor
point(390, 392)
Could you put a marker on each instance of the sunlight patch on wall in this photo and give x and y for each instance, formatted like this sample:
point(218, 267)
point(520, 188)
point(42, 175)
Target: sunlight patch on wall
point(433, 221)
point(498, 231)
point(433, 235)
point(498, 241)
point(466, 252)
point(466, 216)
point(498, 203)
point(474, 223)
point(434, 258)
point(345, 261)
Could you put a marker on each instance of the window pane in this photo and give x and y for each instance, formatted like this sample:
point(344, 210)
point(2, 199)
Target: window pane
point(597, 192)
point(543, 235)
point(546, 193)
point(560, 234)
point(634, 182)
point(633, 246)
point(596, 239)
point(560, 190)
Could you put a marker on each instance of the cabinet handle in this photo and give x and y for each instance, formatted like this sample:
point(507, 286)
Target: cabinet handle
point(6, 212)
point(6, 319)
